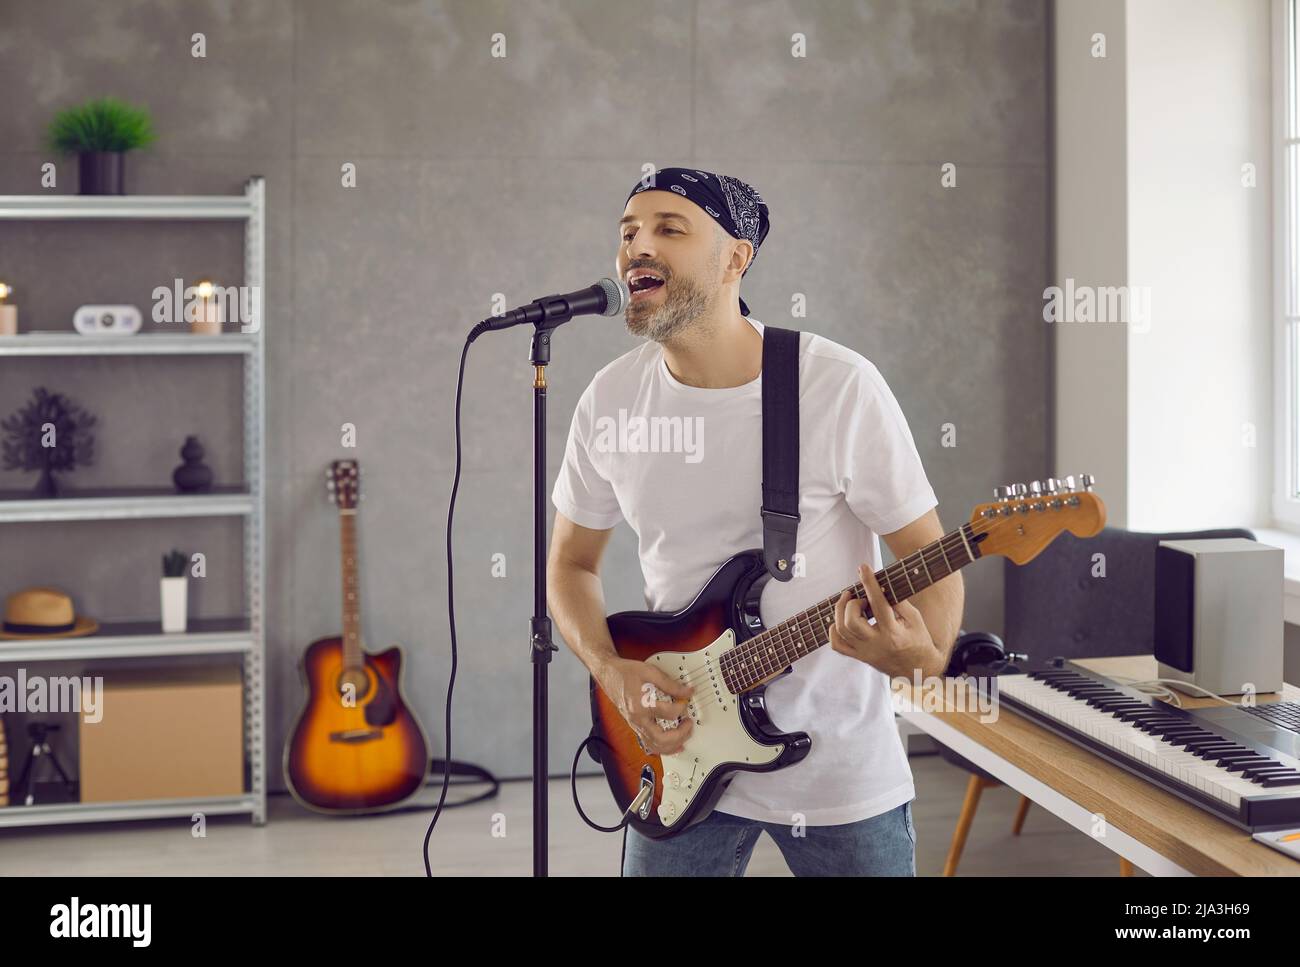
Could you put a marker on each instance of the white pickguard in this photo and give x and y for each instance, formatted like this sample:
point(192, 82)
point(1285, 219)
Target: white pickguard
point(719, 737)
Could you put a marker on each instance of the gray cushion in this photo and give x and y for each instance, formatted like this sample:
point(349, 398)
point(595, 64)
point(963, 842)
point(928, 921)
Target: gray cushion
point(1054, 606)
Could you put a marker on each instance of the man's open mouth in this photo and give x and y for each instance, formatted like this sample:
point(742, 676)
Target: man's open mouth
point(643, 280)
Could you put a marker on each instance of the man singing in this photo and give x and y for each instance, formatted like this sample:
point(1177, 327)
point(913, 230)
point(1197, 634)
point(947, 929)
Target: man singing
point(686, 239)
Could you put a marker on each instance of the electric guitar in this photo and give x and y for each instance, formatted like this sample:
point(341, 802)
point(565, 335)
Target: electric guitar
point(356, 747)
point(718, 645)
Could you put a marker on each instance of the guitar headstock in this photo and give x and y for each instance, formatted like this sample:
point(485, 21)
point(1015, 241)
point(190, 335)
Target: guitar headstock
point(1023, 520)
point(343, 481)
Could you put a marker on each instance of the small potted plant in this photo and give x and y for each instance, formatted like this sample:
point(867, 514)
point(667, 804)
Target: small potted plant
point(174, 592)
point(100, 132)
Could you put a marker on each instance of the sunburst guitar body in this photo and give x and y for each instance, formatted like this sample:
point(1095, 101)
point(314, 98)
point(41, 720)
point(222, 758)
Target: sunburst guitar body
point(356, 747)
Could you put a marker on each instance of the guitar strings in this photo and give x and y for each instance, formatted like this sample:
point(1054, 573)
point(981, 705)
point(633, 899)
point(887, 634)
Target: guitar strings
point(783, 632)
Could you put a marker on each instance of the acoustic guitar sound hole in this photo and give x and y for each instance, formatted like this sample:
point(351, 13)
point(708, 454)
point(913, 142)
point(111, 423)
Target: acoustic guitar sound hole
point(353, 685)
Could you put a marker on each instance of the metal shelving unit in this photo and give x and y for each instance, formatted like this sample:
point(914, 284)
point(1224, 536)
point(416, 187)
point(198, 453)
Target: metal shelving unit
point(137, 639)
point(100, 812)
point(244, 636)
point(169, 344)
point(248, 206)
point(139, 503)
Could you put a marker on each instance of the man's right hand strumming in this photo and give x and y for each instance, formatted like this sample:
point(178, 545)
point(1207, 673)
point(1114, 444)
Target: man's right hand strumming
point(635, 688)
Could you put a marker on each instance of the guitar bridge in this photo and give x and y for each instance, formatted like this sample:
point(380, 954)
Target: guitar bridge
point(356, 735)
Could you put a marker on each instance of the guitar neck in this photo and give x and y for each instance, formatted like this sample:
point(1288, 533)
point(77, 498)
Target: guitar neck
point(757, 660)
point(351, 592)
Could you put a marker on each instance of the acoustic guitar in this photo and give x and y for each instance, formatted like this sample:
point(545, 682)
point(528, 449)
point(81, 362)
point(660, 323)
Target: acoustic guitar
point(718, 645)
point(356, 747)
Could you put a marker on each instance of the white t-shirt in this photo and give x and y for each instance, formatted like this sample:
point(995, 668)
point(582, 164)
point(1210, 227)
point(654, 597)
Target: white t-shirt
point(690, 486)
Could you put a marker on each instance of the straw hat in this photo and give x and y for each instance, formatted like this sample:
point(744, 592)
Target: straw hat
point(43, 613)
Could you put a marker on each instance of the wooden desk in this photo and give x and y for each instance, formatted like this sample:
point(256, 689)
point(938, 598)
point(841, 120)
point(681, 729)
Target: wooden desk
point(1155, 830)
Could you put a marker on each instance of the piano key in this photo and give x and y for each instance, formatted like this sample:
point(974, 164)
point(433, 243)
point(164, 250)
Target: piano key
point(1266, 770)
point(1241, 765)
point(1286, 779)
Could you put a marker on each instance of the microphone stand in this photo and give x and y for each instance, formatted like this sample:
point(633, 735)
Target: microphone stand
point(545, 314)
point(540, 643)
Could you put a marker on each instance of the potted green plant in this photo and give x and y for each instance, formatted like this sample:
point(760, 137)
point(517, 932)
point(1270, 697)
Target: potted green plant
point(100, 132)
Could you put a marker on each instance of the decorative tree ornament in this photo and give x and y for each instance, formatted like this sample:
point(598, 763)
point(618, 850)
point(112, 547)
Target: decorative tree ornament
point(50, 434)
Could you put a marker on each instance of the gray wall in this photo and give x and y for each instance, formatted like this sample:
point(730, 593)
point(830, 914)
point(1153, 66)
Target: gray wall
point(477, 176)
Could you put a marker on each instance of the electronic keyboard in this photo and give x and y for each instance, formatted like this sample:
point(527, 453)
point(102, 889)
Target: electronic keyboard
point(1238, 766)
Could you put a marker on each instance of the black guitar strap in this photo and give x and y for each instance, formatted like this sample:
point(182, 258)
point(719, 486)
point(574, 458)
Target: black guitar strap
point(780, 508)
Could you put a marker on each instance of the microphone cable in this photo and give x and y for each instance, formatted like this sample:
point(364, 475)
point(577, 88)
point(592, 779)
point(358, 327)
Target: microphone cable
point(451, 604)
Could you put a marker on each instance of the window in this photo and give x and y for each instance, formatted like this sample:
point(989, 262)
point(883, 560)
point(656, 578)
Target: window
point(1286, 215)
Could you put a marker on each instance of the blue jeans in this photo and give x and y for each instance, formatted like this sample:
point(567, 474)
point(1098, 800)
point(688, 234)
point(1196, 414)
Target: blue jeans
point(721, 844)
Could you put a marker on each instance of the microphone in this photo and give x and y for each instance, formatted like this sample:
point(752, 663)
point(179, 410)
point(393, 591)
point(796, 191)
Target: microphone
point(608, 297)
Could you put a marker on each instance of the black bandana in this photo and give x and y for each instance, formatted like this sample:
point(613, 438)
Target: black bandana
point(734, 205)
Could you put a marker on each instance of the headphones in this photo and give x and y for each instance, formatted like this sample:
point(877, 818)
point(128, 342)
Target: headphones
point(980, 652)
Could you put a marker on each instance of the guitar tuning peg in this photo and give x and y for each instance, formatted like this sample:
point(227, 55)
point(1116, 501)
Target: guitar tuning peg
point(1018, 490)
point(1086, 481)
point(1002, 494)
point(1051, 485)
point(1068, 483)
point(1036, 488)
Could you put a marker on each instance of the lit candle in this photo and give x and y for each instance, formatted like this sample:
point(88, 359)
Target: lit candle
point(8, 313)
point(210, 311)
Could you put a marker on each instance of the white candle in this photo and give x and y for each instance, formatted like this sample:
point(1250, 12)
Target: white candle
point(8, 313)
point(211, 313)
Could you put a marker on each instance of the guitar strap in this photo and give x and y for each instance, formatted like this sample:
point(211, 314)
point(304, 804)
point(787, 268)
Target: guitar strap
point(780, 509)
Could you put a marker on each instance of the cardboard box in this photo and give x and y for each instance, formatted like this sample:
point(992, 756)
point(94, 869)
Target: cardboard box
point(165, 734)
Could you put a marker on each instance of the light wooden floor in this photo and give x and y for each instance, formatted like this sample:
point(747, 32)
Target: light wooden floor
point(295, 842)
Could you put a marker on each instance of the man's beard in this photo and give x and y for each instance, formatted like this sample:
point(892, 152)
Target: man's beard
point(684, 302)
